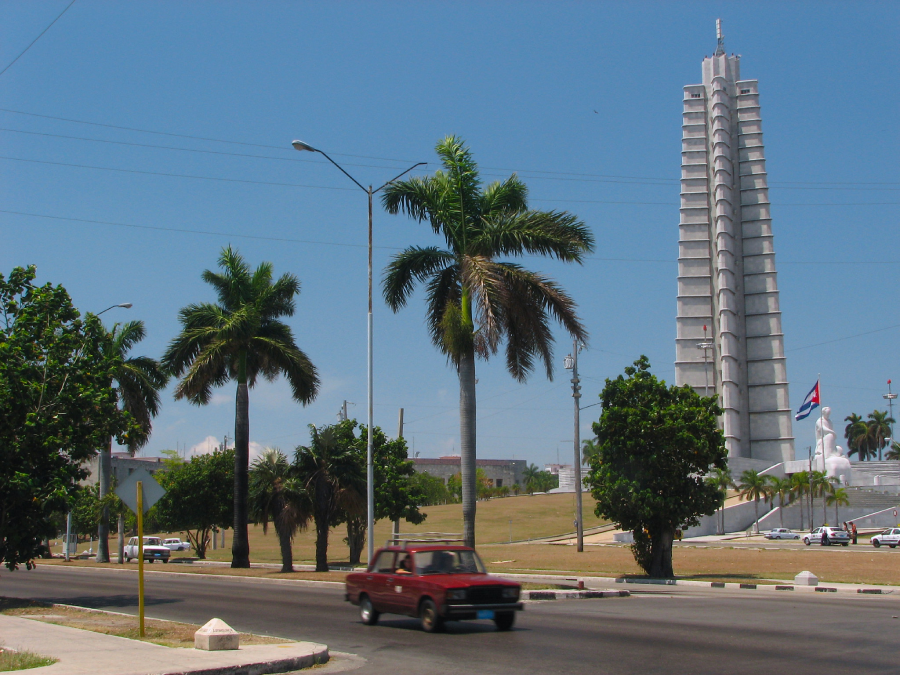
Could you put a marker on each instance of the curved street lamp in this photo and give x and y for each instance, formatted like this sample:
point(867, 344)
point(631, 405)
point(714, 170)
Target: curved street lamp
point(370, 468)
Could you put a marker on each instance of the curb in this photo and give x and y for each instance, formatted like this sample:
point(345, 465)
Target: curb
point(573, 595)
point(264, 667)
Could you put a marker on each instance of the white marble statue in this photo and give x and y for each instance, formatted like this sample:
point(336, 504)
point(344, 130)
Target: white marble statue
point(829, 456)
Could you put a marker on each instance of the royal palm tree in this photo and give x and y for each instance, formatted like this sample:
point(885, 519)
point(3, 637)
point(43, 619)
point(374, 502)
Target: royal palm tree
point(878, 430)
point(722, 481)
point(138, 381)
point(475, 302)
point(531, 475)
point(335, 482)
point(822, 486)
point(754, 486)
point(590, 448)
point(894, 452)
point(837, 497)
point(241, 338)
point(276, 495)
point(800, 488)
point(782, 488)
point(856, 432)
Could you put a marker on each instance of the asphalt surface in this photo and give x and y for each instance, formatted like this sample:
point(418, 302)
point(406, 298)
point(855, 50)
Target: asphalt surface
point(668, 630)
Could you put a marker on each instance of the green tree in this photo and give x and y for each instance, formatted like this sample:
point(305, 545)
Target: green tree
point(656, 444)
point(334, 480)
point(857, 434)
point(277, 495)
point(454, 487)
point(754, 486)
point(475, 301)
point(589, 449)
point(721, 480)
point(531, 476)
point(837, 497)
point(822, 486)
point(894, 452)
point(85, 509)
point(783, 488)
point(800, 488)
point(241, 338)
point(138, 381)
point(56, 409)
point(432, 490)
point(198, 497)
point(878, 430)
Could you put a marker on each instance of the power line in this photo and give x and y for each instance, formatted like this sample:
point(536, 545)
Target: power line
point(390, 159)
point(849, 337)
point(9, 65)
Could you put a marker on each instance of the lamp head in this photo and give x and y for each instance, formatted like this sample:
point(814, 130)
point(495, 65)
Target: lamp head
point(300, 145)
point(125, 305)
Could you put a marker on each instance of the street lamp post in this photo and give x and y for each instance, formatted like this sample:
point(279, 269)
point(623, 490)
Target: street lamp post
point(706, 345)
point(370, 467)
point(890, 396)
point(105, 470)
point(571, 363)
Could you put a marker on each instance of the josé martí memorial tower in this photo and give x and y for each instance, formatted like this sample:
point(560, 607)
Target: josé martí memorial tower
point(727, 281)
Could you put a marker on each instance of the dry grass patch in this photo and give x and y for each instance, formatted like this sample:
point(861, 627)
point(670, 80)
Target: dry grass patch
point(165, 633)
point(10, 660)
point(838, 565)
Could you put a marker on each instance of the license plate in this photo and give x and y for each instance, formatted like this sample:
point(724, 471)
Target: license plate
point(485, 614)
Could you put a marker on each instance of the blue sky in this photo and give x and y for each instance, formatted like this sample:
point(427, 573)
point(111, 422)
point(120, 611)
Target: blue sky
point(582, 99)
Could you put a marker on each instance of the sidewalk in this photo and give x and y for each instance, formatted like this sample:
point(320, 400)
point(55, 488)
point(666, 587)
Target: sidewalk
point(82, 652)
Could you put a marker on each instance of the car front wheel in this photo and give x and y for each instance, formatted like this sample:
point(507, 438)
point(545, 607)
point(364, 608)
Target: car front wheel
point(876, 543)
point(806, 540)
point(367, 613)
point(505, 620)
point(431, 620)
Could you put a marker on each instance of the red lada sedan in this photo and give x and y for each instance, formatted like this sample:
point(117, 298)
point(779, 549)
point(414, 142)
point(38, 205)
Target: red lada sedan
point(435, 582)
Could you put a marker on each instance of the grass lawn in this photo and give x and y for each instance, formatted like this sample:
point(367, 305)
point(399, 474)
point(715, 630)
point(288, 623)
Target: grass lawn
point(165, 633)
point(532, 517)
point(10, 660)
point(839, 565)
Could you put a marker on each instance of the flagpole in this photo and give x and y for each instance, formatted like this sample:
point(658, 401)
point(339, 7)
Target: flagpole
point(822, 428)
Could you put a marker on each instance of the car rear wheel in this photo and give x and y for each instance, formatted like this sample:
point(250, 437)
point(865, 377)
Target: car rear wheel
point(505, 620)
point(165, 560)
point(845, 543)
point(431, 620)
point(876, 543)
point(893, 545)
point(127, 559)
point(367, 613)
point(806, 540)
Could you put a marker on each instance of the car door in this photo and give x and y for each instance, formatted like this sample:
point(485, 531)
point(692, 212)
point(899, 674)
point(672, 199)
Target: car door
point(405, 597)
point(377, 581)
point(396, 586)
point(895, 537)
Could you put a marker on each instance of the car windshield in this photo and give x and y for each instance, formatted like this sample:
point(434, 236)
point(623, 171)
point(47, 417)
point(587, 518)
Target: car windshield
point(151, 541)
point(448, 562)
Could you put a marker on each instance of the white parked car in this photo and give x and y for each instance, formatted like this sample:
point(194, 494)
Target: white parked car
point(890, 537)
point(826, 536)
point(153, 549)
point(177, 545)
point(781, 533)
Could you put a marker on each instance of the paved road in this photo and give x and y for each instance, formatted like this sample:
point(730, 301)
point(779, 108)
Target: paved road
point(694, 631)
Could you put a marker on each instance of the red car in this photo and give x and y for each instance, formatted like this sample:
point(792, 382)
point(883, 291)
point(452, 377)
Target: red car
point(435, 582)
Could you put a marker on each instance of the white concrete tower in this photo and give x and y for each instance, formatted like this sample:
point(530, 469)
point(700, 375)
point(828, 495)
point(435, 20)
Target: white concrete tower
point(726, 264)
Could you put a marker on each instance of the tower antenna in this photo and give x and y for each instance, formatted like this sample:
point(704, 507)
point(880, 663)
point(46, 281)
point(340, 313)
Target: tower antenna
point(720, 39)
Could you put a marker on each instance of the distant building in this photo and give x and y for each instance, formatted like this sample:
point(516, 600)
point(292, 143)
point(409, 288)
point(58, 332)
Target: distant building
point(123, 465)
point(555, 469)
point(500, 472)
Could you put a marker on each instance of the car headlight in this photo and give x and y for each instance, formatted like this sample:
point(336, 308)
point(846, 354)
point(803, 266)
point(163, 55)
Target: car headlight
point(511, 593)
point(456, 594)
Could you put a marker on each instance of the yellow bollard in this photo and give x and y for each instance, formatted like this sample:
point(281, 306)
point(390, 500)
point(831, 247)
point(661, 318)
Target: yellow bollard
point(140, 524)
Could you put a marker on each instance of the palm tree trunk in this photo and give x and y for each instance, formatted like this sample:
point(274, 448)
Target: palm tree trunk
point(322, 516)
point(356, 538)
point(756, 508)
point(781, 510)
point(104, 470)
point(467, 444)
point(240, 545)
point(287, 555)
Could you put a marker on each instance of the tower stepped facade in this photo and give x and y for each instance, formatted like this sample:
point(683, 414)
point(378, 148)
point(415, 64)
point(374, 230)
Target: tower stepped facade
point(726, 265)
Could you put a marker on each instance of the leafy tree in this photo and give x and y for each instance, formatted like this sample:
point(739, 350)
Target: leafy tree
point(516, 488)
point(241, 338)
point(475, 301)
point(454, 487)
point(721, 480)
point(800, 487)
point(531, 476)
point(138, 380)
point(656, 444)
point(754, 486)
point(822, 486)
point(878, 430)
point(837, 497)
point(857, 434)
point(57, 409)
point(782, 488)
point(432, 489)
point(334, 480)
point(85, 508)
point(277, 495)
point(589, 448)
point(198, 497)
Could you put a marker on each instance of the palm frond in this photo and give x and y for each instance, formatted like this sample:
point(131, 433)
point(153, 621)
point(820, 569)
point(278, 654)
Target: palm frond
point(508, 197)
point(444, 288)
point(409, 266)
point(552, 233)
point(481, 276)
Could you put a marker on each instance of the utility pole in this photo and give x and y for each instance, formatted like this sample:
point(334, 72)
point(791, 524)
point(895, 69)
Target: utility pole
point(571, 363)
point(396, 526)
point(705, 345)
point(890, 396)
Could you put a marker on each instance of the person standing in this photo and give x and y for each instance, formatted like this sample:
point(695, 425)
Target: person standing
point(853, 532)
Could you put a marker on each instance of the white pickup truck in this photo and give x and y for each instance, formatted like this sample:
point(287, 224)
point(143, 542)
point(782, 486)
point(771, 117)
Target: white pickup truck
point(153, 549)
point(177, 545)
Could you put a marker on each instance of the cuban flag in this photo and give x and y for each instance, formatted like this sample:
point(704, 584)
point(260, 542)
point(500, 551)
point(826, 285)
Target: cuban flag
point(809, 403)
